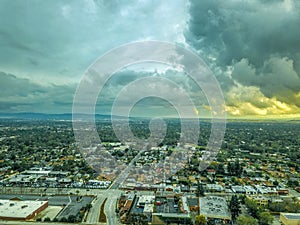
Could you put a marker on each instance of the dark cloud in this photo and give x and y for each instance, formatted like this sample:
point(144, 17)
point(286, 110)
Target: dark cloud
point(257, 41)
point(125, 83)
point(20, 94)
point(53, 42)
point(233, 30)
point(23, 95)
point(276, 79)
point(12, 85)
point(253, 47)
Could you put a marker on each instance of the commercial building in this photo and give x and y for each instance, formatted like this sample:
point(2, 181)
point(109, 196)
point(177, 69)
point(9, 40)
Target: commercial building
point(260, 200)
point(290, 218)
point(250, 190)
point(214, 188)
point(145, 199)
point(214, 207)
point(21, 210)
point(238, 189)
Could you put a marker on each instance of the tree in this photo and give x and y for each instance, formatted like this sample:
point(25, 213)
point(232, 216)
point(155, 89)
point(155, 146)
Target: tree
point(242, 199)
point(285, 206)
point(211, 222)
point(235, 169)
point(253, 208)
point(265, 218)
point(293, 183)
point(72, 219)
point(200, 220)
point(137, 219)
point(234, 207)
point(63, 219)
point(47, 219)
point(246, 220)
point(199, 193)
point(230, 168)
point(220, 169)
point(200, 190)
point(238, 169)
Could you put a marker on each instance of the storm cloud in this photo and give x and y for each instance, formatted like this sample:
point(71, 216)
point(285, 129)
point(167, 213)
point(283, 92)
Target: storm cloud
point(23, 95)
point(255, 42)
point(253, 48)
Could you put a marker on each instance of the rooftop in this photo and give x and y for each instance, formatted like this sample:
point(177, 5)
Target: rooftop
point(214, 207)
point(291, 216)
point(19, 209)
point(145, 199)
point(148, 208)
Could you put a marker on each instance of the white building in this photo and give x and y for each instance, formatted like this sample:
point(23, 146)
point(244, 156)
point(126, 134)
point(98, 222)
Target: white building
point(21, 210)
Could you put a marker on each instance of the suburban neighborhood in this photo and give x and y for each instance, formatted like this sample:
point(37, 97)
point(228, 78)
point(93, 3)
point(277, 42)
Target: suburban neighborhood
point(245, 183)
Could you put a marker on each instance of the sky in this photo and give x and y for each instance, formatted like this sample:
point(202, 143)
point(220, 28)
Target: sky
point(252, 47)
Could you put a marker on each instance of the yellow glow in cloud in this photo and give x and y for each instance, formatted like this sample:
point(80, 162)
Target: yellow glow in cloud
point(196, 111)
point(281, 105)
point(249, 101)
point(245, 108)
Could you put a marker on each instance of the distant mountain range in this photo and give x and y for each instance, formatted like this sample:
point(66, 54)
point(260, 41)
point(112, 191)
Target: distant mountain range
point(46, 116)
point(61, 116)
point(68, 116)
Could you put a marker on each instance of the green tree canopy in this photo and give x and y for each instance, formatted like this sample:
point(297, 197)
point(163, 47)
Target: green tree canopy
point(137, 219)
point(246, 220)
point(234, 207)
point(265, 218)
point(253, 208)
point(200, 220)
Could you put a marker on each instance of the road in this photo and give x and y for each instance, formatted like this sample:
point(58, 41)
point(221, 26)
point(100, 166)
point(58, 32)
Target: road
point(124, 174)
point(112, 194)
point(110, 207)
point(93, 215)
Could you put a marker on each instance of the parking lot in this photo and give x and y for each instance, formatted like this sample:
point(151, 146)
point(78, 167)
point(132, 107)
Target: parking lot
point(73, 207)
point(49, 191)
point(70, 203)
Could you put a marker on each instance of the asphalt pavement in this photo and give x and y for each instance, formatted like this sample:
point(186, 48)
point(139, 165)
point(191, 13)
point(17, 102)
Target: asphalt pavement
point(93, 215)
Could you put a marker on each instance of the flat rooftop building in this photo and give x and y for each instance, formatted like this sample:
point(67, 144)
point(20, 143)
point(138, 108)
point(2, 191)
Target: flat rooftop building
point(145, 199)
point(148, 208)
point(250, 190)
point(21, 210)
point(238, 189)
point(290, 218)
point(214, 207)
